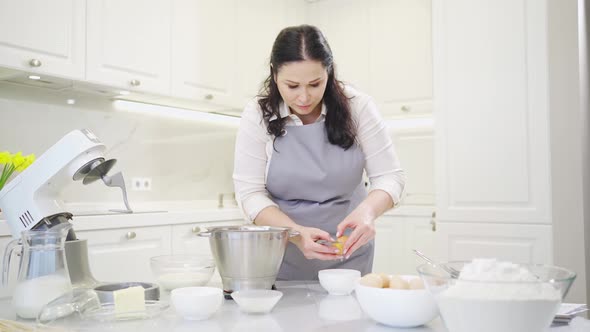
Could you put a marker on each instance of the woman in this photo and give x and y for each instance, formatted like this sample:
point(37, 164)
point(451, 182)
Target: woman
point(300, 153)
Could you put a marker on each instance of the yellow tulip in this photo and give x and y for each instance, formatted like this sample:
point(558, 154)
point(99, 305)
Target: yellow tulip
point(18, 160)
point(26, 162)
point(13, 162)
point(5, 157)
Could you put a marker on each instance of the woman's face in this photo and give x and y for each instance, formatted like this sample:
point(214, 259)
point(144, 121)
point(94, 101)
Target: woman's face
point(302, 85)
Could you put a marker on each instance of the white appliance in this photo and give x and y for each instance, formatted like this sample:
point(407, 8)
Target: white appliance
point(32, 198)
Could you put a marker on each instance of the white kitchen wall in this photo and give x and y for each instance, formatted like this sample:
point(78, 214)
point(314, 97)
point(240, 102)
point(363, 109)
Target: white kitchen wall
point(186, 160)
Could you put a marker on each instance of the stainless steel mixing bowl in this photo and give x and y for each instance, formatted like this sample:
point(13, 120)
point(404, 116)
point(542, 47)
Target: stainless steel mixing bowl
point(248, 256)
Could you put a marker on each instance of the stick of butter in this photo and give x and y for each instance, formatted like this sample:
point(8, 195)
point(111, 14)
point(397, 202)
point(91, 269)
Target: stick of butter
point(129, 300)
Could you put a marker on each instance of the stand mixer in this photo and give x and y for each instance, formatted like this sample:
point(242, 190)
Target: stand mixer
point(31, 201)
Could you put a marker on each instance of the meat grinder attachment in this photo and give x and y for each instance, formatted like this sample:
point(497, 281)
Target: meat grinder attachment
point(98, 169)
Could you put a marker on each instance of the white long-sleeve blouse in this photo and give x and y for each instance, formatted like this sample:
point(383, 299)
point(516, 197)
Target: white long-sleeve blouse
point(254, 149)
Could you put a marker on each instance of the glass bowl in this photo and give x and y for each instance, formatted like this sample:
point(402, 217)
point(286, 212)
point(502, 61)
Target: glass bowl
point(176, 271)
point(492, 303)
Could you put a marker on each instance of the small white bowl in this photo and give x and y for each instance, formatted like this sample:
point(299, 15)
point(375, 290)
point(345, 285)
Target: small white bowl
point(339, 281)
point(196, 303)
point(256, 300)
point(397, 307)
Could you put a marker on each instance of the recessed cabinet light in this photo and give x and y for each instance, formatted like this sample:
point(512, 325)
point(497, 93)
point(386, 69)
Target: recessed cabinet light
point(34, 77)
point(173, 112)
point(71, 101)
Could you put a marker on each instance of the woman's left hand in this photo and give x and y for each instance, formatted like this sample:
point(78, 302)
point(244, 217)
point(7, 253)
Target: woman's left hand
point(363, 231)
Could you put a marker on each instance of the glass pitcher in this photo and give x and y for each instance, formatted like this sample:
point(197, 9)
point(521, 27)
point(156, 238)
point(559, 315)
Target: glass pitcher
point(43, 270)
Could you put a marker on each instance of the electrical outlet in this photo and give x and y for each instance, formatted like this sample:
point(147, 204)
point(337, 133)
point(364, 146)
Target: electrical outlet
point(141, 184)
point(147, 184)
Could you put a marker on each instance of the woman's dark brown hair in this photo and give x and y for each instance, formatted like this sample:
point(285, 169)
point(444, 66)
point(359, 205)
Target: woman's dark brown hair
point(306, 42)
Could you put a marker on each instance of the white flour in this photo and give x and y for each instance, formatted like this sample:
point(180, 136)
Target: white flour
point(501, 281)
point(507, 298)
point(31, 295)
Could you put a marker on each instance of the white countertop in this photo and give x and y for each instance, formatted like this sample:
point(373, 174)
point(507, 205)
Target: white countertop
point(98, 216)
point(305, 306)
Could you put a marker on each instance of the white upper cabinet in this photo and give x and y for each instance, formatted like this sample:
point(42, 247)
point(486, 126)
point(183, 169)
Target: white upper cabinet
point(345, 24)
point(203, 50)
point(400, 61)
point(221, 48)
point(45, 37)
point(383, 47)
point(491, 105)
point(257, 24)
point(128, 44)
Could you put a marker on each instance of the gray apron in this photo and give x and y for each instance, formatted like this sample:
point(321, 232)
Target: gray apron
point(316, 184)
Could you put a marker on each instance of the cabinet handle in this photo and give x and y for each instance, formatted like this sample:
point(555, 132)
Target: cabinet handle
point(208, 96)
point(35, 63)
point(130, 235)
point(433, 222)
point(406, 108)
point(135, 82)
point(196, 229)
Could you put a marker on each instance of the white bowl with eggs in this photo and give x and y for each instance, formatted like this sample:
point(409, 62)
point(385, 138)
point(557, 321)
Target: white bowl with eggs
point(400, 306)
point(338, 281)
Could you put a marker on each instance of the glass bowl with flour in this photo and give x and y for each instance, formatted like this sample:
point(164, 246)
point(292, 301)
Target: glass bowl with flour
point(176, 271)
point(491, 295)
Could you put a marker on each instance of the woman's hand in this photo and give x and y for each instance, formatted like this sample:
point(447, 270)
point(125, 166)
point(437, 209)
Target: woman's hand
point(363, 231)
point(306, 242)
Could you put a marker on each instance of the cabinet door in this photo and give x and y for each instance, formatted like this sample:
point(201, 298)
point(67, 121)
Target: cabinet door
point(257, 22)
point(203, 50)
point(124, 254)
point(527, 244)
point(400, 61)
point(45, 37)
point(491, 113)
point(420, 234)
point(345, 24)
point(415, 149)
point(128, 44)
point(185, 240)
point(397, 236)
point(389, 245)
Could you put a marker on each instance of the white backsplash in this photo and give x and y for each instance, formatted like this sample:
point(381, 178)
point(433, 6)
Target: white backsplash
point(186, 159)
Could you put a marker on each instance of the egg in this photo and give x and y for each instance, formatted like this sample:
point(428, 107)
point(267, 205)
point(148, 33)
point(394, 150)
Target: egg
point(372, 280)
point(397, 282)
point(339, 244)
point(416, 283)
point(385, 278)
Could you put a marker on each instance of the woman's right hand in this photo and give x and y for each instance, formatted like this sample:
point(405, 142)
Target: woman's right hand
point(306, 242)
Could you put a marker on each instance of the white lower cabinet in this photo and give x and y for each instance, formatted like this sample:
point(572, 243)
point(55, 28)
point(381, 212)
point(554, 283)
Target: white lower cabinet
point(185, 240)
point(389, 244)
point(517, 243)
point(124, 254)
point(395, 240)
